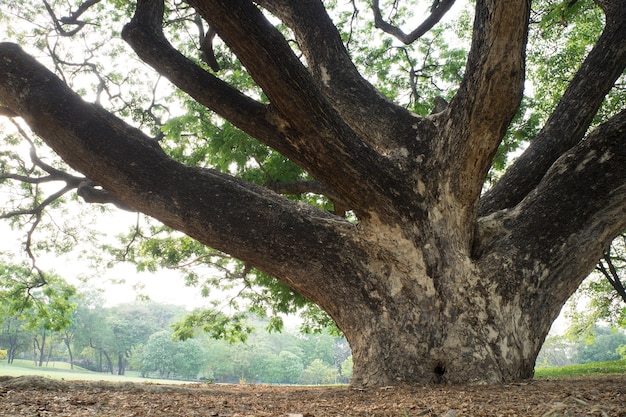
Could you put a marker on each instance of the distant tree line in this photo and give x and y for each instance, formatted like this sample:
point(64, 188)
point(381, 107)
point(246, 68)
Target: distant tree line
point(138, 338)
point(43, 318)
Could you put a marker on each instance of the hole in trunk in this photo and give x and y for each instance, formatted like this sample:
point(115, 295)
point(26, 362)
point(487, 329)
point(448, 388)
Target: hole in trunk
point(440, 371)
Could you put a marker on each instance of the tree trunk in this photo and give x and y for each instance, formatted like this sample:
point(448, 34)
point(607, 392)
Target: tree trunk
point(109, 361)
point(49, 355)
point(39, 348)
point(66, 340)
point(120, 364)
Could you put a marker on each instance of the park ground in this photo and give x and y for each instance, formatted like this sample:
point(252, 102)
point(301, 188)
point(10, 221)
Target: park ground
point(32, 395)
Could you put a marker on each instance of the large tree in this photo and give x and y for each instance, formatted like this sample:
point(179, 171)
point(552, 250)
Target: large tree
point(430, 278)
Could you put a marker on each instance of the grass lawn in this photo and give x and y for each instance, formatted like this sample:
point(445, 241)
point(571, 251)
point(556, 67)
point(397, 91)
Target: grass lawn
point(597, 368)
point(61, 370)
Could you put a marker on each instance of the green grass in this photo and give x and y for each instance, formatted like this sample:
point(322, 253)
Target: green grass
point(61, 370)
point(587, 369)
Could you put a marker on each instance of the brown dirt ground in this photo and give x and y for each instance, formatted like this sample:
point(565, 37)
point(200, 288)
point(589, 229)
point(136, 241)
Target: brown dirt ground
point(37, 396)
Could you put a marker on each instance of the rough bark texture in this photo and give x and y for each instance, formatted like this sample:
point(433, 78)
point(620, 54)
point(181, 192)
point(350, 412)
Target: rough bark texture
point(434, 283)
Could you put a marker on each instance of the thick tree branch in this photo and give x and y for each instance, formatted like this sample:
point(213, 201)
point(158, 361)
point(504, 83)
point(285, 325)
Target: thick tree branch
point(476, 119)
point(84, 187)
point(299, 123)
point(383, 124)
point(571, 118)
point(437, 11)
point(314, 187)
point(144, 33)
point(268, 58)
point(577, 209)
point(294, 242)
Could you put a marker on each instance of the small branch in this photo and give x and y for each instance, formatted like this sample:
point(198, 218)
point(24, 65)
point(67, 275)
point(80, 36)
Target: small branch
point(437, 11)
point(72, 19)
point(611, 275)
point(136, 233)
point(198, 259)
point(206, 44)
point(54, 174)
point(28, 247)
point(26, 179)
point(79, 24)
point(40, 207)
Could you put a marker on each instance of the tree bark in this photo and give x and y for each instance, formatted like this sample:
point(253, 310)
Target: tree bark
point(433, 284)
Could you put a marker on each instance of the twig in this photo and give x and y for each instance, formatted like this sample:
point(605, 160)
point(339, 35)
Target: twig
point(437, 11)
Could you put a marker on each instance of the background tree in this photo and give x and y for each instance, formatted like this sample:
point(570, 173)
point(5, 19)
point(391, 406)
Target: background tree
point(14, 336)
point(161, 354)
point(318, 373)
point(43, 301)
point(189, 359)
point(556, 351)
point(430, 278)
point(602, 294)
point(600, 346)
point(132, 325)
point(291, 367)
point(220, 366)
point(346, 368)
point(158, 354)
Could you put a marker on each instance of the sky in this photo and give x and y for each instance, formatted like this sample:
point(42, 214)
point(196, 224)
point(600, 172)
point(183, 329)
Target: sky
point(121, 283)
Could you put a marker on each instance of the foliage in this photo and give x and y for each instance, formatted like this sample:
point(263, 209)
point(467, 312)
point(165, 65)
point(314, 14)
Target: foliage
point(346, 368)
point(621, 351)
point(599, 345)
point(596, 301)
point(42, 300)
point(218, 325)
point(602, 346)
point(164, 355)
point(319, 373)
point(604, 291)
point(561, 37)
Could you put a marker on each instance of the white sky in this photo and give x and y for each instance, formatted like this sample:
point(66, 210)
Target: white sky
point(164, 286)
